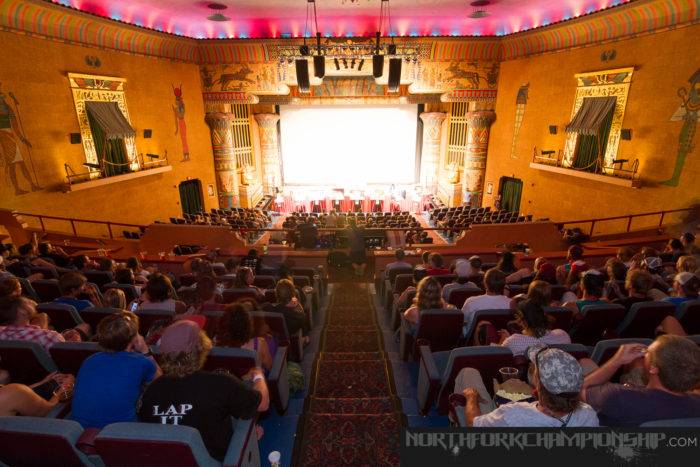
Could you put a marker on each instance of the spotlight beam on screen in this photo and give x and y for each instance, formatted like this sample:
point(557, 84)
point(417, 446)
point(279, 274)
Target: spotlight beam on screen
point(348, 145)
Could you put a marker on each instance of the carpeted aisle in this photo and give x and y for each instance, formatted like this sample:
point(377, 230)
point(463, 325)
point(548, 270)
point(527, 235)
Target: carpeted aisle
point(352, 415)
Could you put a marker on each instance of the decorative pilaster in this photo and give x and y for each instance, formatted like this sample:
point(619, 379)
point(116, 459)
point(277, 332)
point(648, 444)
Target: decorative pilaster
point(479, 124)
point(430, 156)
point(269, 147)
point(224, 157)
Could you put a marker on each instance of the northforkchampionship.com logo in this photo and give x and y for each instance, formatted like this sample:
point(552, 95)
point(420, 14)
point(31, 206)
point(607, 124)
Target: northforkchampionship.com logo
point(602, 446)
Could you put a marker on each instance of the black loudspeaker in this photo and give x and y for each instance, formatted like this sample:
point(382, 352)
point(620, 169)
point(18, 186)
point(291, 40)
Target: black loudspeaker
point(552, 129)
point(626, 134)
point(302, 67)
point(377, 66)
point(319, 66)
point(75, 138)
point(394, 74)
point(147, 133)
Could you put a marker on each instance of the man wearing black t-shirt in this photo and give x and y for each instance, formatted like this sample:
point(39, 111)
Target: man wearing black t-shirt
point(186, 395)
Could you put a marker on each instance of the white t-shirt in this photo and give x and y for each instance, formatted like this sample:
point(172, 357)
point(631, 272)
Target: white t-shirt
point(525, 414)
point(484, 302)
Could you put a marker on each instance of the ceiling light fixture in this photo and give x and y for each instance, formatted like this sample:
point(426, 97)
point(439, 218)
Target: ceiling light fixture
point(216, 15)
point(479, 9)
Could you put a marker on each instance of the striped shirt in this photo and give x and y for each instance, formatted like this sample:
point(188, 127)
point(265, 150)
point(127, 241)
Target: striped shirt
point(44, 337)
point(519, 343)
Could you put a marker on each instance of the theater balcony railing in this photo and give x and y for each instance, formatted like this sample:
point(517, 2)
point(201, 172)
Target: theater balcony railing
point(95, 176)
point(620, 172)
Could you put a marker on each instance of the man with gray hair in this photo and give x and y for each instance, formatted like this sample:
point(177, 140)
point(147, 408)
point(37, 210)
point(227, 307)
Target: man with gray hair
point(557, 379)
point(464, 271)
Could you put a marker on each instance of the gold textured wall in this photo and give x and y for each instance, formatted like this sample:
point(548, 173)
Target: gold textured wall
point(35, 71)
point(664, 62)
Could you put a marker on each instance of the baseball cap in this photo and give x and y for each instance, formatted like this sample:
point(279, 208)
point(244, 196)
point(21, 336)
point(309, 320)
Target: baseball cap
point(181, 336)
point(653, 262)
point(558, 371)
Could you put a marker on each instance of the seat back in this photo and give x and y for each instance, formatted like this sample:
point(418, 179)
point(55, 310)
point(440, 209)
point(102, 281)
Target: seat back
point(48, 273)
point(152, 445)
point(394, 272)
point(559, 317)
point(30, 441)
point(441, 328)
point(513, 289)
point(677, 422)
point(557, 291)
point(499, 318)
point(445, 279)
point(487, 360)
point(47, 289)
point(578, 351)
point(688, 314)
point(264, 282)
point(99, 278)
point(69, 356)
point(458, 297)
point(27, 290)
point(274, 321)
point(27, 362)
point(234, 361)
point(61, 315)
point(231, 295)
point(604, 350)
point(302, 281)
point(595, 321)
point(308, 272)
point(148, 317)
point(402, 282)
point(186, 280)
point(93, 316)
point(128, 289)
point(643, 319)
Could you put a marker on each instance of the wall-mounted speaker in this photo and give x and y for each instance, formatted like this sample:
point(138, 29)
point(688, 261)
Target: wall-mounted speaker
point(147, 133)
point(75, 138)
point(302, 67)
point(319, 66)
point(377, 65)
point(394, 74)
point(626, 134)
point(552, 129)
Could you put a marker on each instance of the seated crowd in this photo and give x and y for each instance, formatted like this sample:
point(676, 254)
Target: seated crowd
point(239, 218)
point(166, 358)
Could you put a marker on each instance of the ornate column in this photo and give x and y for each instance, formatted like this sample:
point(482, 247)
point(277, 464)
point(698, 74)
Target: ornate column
point(224, 158)
point(269, 147)
point(479, 124)
point(430, 155)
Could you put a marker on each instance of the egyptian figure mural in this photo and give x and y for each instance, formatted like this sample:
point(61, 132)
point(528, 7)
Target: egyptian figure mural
point(15, 147)
point(180, 125)
point(520, 102)
point(688, 113)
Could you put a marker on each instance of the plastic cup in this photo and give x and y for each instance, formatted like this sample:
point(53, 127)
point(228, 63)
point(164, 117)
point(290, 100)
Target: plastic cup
point(507, 373)
point(274, 458)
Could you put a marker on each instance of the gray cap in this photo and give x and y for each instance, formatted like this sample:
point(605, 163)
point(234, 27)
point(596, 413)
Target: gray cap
point(558, 371)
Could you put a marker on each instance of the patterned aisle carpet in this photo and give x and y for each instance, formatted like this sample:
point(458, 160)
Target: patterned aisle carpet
point(352, 415)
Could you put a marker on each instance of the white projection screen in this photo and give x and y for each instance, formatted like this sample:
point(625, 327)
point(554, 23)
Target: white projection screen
point(348, 145)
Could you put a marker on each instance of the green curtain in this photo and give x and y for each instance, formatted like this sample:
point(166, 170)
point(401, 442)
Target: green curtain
point(191, 197)
point(111, 153)
point(590, 146)
point(511, 190)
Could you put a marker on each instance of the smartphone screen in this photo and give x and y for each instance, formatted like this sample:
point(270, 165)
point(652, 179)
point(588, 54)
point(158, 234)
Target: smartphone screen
point(134, 306)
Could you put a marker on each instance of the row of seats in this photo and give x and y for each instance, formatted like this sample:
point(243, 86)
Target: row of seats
point(438, 370)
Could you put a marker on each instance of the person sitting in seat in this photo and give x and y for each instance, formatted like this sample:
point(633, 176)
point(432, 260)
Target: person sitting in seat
point(10, 287)
point(660, 286)
point(428, 297)
point(114, 298)
point(425, 258)
point(545, 271)
point(575, 264)
point(399, 263)
point(506, 264)
point(671, 366)
point(406, 298)
point(437, 265)
point(464, 271)
point(493, 299)
point(616, 273)
point(109, 383)
point(186, 395)
point(19, 320)
point(674, 250)
point(83, 263)
point(54, 255)
point(688, 241)
point(557, 379)
point(244, 281)
point(531, 319)
point(236, 330)
point(140, 273)
point(289, 306)
point(252, 261)
point(687, 264)
point(159, 295)
point(74, 284)
point(592, 285)
point(685, 287)
point(20, 399)
point(637, 285)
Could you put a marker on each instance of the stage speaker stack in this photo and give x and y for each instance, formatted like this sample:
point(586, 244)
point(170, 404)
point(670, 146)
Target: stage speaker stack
point(319, 66)
point(377, 66)
point(302, 67)
point(394, 74)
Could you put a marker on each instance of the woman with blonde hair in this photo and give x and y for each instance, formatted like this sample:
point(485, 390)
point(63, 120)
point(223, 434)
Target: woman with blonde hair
point(115, 298)
point(186, 395)
point(428, 297)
